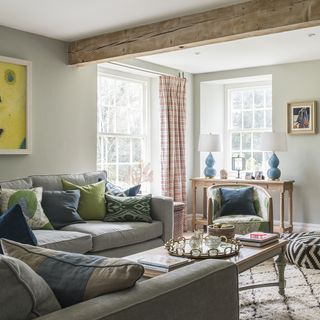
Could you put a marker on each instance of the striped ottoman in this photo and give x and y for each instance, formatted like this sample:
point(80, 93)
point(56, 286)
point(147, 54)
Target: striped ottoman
point(303, 249)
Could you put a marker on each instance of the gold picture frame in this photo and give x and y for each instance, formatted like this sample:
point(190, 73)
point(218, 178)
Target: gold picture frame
point(302, 117)
point(15, 106)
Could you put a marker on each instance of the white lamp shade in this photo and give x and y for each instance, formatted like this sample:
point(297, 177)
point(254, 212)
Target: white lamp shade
point(274, 141)
point(209, 142)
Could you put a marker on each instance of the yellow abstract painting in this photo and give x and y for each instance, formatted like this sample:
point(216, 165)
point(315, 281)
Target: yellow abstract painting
point(13, 106)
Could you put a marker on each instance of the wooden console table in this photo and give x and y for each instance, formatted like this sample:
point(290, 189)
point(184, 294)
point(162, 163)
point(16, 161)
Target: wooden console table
point(270, 185)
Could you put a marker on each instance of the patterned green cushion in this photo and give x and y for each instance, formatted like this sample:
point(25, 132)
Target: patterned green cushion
point(92, 204)
point(75, 277)
point(128, 208)
point(30, 202)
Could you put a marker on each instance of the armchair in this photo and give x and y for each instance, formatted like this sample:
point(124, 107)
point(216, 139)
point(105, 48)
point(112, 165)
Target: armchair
point(262, 202)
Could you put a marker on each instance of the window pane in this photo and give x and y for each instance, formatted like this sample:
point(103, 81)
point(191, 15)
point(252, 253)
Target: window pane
point(259, 98)
point(256, 141)
point(247, 119)
point(136, 122)
point(235, 141)
point(124, 175)
point(136, 150)
point(111, 150)
point(246, 141)
point(247, 100)
point(121, 93)
point(236, 100)
point(124, 150)
point(236, 120)
point(268, 119)
point(112, 173)
point(259, 119)
point(136, 174)
point(248, 158)
point(122, 120)
point(268, 98)
point(136, 95)
point(257, 160)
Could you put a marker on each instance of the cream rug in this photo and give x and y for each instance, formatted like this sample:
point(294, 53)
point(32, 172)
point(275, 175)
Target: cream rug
point(301, 301)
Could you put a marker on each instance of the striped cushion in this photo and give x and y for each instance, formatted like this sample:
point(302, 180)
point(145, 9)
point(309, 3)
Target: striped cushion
point(303, 249)
point(75, 277)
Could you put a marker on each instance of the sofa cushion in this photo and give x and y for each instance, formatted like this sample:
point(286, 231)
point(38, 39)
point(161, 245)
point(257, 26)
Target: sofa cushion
point(30, 202)
point(123, 209)
point(120, 192)
point(53, 182)
point(23, 183)
point(92, 203)
point(14, 226)
point(23, 293)
point(64, 240)
point(61, 207)
point(107, 235)
point(74, 277)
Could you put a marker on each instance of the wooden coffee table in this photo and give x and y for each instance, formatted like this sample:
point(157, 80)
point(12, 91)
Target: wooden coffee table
point(247, 258)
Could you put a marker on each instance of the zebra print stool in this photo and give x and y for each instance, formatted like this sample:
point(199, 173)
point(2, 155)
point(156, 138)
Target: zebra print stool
point(303, 249)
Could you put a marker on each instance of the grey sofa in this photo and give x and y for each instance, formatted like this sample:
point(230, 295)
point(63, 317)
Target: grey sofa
point(206, 290)
point(114, 239)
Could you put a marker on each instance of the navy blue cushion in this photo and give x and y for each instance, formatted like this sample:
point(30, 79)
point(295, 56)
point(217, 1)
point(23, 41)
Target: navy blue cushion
point(14, 226)
point(61, 207)
point(237, 201)
point(115, 190)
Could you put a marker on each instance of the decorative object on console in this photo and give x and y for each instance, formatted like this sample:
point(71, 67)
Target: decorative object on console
point(30, 202)
point(209, 143)
point(302, 117)
point(258, 175)
point(249, 175)
point(223, 174)
point(92, 203)
point(13, 226)
point(274, 141)
point(81, 277)
point(15, 103)
point(238, 164)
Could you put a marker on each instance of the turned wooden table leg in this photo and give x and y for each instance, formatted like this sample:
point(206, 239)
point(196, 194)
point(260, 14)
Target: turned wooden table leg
point(281, 262)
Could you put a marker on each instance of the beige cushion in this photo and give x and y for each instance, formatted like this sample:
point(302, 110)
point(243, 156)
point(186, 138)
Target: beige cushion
point(107, 235)
point(64, 240)
point(23, 293)
point(75, 277)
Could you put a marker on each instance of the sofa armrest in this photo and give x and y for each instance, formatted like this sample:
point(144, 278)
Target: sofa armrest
point(162, 210)
point(204, 290)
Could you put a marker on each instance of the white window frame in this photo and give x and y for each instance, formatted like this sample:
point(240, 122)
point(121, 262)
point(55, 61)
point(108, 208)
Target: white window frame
point(227, 116)
point(115, 74)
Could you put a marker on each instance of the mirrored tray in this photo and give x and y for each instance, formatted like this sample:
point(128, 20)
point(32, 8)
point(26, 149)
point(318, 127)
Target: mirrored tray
point(181, 247)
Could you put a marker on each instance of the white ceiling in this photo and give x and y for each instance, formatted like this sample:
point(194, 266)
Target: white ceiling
point(286, 47)
point(75, 19)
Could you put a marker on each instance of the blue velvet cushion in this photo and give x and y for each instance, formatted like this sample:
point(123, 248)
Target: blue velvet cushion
point(61, 207)
point(237, 201)
point(120, 192)
point(14, 226)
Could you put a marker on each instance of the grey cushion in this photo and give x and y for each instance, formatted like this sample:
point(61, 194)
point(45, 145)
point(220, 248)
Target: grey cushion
point(75, 277)
point(107, 235)
point(53, 182)
point(23, 183)
point(23, 293)
point(61, 207)
point(64, 240)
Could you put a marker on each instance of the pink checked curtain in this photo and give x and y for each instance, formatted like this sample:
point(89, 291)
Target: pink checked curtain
point(173, 123)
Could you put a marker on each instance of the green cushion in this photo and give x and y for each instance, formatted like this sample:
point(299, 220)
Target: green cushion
point(92, 203)
point(30, 203)
point(128, 208)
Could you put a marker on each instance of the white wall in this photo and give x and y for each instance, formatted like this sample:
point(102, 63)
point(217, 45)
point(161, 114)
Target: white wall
point(63, 108)
point(290, 82)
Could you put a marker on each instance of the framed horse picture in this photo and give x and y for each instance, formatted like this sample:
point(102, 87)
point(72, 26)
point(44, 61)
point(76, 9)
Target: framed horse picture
point(302, 117)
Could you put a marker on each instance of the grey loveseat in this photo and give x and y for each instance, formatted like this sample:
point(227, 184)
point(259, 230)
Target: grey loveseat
point(114, 239)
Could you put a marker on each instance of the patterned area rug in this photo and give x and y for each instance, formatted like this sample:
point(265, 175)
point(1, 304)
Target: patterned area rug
point(301, 301)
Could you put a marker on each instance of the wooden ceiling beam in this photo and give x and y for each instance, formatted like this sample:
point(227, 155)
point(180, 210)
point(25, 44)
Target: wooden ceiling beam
point(249, 19)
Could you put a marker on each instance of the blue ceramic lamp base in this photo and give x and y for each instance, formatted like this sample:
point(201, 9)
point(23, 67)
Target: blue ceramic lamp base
point(274, 172)
point(209, 171)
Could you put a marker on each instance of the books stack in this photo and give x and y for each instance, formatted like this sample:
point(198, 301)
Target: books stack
point(162, 263)
point(258, 239)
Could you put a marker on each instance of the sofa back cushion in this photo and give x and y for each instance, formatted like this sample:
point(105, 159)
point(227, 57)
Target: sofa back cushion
point(75, 277)
point(53, 182)
point(23, 293)
point(22, 183)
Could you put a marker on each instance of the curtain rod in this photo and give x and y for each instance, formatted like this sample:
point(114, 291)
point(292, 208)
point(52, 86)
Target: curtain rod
point(144, 70)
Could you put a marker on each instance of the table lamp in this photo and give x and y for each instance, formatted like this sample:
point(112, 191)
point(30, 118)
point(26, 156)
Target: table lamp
point(238, 164)
point(209, 143)
point(274, 141)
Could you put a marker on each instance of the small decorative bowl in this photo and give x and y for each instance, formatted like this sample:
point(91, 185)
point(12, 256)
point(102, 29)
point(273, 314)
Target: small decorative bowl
point(227, 232)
